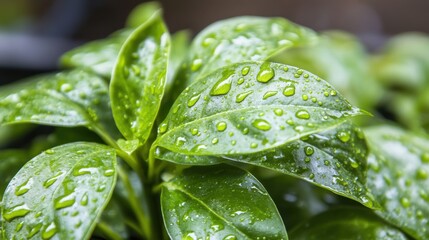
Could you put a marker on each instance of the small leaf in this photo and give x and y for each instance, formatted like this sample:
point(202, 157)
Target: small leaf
point(60, 193)
point(219, 202)
point(242, 39)
point(398, 176)
point(138, 79)
point(97, 56)
point(346, 223)
point(141, 13)
point(10, 162)
point(251, 107)
point(70, 99)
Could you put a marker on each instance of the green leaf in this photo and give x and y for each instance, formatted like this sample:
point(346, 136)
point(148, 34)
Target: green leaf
point(138, 80)
point(398, 177)
point(179, 49)
point(141, 13)
point(60, 193)
point(346, 223)
point(97, 56)
point(10, 162)
point(242, 39)
point(340, 59)
point(70, 99)
point(250, 107)
point(219, 202)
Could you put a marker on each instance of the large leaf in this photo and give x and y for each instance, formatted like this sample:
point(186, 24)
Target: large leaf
point(74, 98)
point(98, 56)
point(242, 39)
point(141, 13)
point(346, 223)
point(219, 202)
point(60, 193)
point(251, 107)
point(138, 79)
point(398, 177)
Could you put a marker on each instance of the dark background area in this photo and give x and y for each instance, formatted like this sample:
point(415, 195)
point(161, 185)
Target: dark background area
point(34, 33)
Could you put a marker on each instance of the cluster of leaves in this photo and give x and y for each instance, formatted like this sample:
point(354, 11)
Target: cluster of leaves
point(225, 137)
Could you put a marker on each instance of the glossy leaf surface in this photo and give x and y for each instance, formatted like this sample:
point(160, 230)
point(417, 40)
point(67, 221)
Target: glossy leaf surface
point(346, 223)
point(242, 39)
point(60, 193)
point(219, 202)
point(139, 77)
point(251, 107)
point(70, 99)
point(398, 177)
point(97, 56)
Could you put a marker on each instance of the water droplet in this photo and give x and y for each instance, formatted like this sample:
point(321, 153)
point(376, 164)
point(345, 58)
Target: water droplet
point(208, 41)
point(216, 227)
point(240, 81)
point(163, 128)
point(66, 87)
point(196, 64)
point(261, 124)
point(253, 145)
point(343, 136)
point(180, 141)
point(221, 126)
point(101, 188)
point(215, 140)
point(34, 230)
point(245, 131)
point(84, 200)
point(23, 188)
point(306, 75)
point(50, 151)
point(265, 74)
point(245, 71)
point(285, 69)
point(333, 93)
point(240, 97)
point(65, 201)
point(308, 150)
point(299, 71)
point(135, 69)
point(278, 112)
point(269, 94)
point(84, 171)
point(194, 131)
point(18, 227)
point(49, 231)
point(190, 236)
point(307, 159)
point(289, 91)
point(425, 157)
point(193, 100)
point(422, 174)
point(354, 164)
point(52, 180)
point(176, 108)
point(311, 176)
point(302, 114)
point(17, 211)
point(405, 202)
point(199, 148)
point(313, 99)
point(233, 142)
point(230, 237)
point(304, 97)
point(223, 86)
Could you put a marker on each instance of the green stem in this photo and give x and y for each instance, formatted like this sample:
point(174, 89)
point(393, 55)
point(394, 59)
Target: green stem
point(143, 219)
point(103, 227)
point(151, 164)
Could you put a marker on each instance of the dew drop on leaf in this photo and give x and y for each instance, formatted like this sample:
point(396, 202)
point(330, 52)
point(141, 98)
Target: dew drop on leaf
point(109, 172)
point(221, 126)
point(425, 157)
point(261, 124)
point(223, 86)
point(193, 100)
point(245, 71)
point(265, 74)
point(405, 202)
point(240, 81)
point(215, 140)
point(194, 131)
point(230, 237)
point(84, 200)
point(34, 230)
point(65, 201)
point(240, 97)
point(23, 188)
point(422, 174)
point(308, 150)
point(289, 91)
point(180, 141)
point(269, 94)
point(302, 114)
point(163, 128)
point(52, 180)
point(278, 112)
point(66, 87)
point(49, 151)
point(17, 211)
point(49, 231)
point(343, 136)
point(196, 64)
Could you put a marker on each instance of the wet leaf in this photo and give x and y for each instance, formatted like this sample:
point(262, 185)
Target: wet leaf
point(250, 107)
point(138, 79)
point(97, 56)
point(346, 223)
point(398, 176)
point(60, 193)
point(69, 99)
point(219, 202)
point(241, 39)
point(10, 162)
